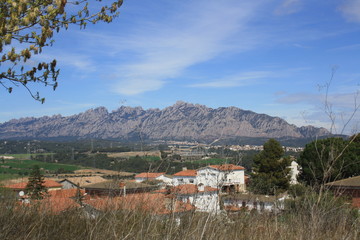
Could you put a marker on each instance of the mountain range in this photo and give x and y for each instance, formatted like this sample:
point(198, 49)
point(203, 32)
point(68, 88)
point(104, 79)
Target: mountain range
point(181, 121)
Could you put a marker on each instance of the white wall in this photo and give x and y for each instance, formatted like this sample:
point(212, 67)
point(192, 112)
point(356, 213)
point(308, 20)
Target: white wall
point(203, 201)
point(209, 177)
point(215, 178)
point(165, 179)
point(179, 180)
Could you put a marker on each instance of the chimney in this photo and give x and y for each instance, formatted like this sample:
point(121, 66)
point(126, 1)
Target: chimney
point(201, 187)
point(184, 168)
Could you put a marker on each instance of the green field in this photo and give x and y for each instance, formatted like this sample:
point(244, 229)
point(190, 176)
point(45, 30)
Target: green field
point(12, 168)
point(7, 176)
point(25, 156)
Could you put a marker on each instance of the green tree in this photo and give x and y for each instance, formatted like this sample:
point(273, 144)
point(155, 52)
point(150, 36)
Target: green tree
point(35, 187)
point(270, 171)
point(29, 25)
point(329, 159)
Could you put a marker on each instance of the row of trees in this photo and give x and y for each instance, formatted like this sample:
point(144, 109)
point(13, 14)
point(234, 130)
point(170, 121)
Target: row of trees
point(322, 161)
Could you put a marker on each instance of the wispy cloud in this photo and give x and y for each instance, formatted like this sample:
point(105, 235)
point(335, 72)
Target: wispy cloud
point(77, 61)
point(351, 10)
point(338, 111)
point(164, 50)
point(243, 79)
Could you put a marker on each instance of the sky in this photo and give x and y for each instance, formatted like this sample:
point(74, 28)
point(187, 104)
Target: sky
point(294, 59)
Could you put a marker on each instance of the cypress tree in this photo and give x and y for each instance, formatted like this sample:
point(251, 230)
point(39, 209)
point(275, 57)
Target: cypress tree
point(270, 171)
point(35, 187)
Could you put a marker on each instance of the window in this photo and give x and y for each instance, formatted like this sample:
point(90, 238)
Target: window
point(191, 180)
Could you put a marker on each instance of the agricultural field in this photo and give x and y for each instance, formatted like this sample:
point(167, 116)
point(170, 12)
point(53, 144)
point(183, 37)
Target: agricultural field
point(12, 168)
point(134, 154)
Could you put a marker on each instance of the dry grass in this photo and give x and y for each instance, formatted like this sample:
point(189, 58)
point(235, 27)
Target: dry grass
point(134, 154)
point(303, 221)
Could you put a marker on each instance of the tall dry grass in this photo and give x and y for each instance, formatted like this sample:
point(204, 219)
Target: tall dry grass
point(305, 219)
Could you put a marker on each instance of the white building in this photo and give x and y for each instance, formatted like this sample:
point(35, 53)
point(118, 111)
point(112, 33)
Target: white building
point(227, 177)
point(249, 202)
point(205, 199)
point(185, 177)
point(153, 176)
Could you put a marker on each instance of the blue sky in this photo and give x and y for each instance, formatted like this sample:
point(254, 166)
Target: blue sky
point(268, 56)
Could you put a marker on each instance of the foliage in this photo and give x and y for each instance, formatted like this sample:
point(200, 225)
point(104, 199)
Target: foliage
point(270, 171)
point(297, 190)
point(30, 25)
point(163, 155)
point(35, 187)
point(329, 159)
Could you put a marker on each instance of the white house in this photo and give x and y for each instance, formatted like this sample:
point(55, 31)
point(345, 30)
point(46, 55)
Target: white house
point(153, 176)
point(249, 202)
point(205, 199)
point(227, 177)
point(185, 177)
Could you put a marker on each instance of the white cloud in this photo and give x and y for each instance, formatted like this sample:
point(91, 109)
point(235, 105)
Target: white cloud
point(340, 111)
point(164, 50)
point(74, 60)
point(351, 10)
point(248, 78)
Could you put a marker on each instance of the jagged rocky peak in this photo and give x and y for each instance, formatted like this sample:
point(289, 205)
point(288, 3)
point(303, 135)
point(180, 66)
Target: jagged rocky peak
point(177, 122)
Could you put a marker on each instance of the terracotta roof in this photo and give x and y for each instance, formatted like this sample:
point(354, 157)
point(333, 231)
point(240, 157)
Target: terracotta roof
point(186, 173)
point(187, 189)
point(56, 201)
point(57, 205)
point(149, 175)
point(22, 185)
point(152, 203)
point(227, 167)
point(348, 182)
point(65, 193)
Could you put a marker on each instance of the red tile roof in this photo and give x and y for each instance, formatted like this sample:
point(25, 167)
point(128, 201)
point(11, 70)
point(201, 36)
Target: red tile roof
point(188, 189)
point(22, 185)
point(57, 205)
point(65, 193)
point(149, 175)
point(151, 203)
point(186, 173)
point(56, 201)
point(227, 167)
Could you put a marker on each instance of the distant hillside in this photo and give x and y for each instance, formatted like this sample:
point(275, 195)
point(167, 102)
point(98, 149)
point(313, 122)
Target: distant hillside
point(182, 121)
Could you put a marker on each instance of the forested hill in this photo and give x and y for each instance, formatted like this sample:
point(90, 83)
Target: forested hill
point(182, 121)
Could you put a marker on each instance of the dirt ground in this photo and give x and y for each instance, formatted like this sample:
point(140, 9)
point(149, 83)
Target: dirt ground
point(133, 154)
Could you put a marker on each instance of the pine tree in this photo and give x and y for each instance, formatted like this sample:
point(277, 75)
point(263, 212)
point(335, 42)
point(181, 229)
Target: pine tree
point(270, 170)
point(35, 187)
